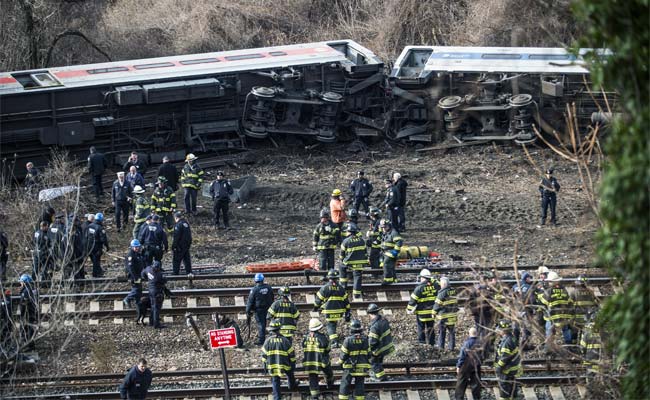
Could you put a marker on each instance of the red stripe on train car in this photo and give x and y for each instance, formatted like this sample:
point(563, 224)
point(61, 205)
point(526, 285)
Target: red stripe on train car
point(7, 80)
point(70, 74)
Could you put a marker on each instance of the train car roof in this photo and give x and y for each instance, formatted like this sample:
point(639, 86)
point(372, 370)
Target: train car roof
point(122, 72)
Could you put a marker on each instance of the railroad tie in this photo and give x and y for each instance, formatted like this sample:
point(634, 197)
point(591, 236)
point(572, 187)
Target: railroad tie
point(296, 396)
point(167, 303)
point(404, 295)
point(596, 291)
point(412, 395)
point(468, 394)
point(362, 313)
point(442, 394)
point(69, 308)
point(118, 306)
point(582, 391)
point(311, 299)
point(385, 395)
point(529, 393)
point(497, 393)
point(214, 302)
point(94, 306)
point(556, 393)
point(45, 309)
point(239, 301)
point(191, 302)
point(381, 296)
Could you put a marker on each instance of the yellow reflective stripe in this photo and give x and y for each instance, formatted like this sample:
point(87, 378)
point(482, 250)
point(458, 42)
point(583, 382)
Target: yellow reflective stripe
point(508, 351)
point(388, 348)
point(278, 352)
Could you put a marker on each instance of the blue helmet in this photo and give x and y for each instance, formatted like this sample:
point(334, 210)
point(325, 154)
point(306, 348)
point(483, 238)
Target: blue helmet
point(259, 277)
point(135, 243)
point(99, 217)
point(156, 264)
point(25, 278)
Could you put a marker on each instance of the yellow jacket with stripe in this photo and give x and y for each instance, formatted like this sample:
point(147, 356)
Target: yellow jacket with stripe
point(353, 252)
point(192, 176)
point(163, 200)
point(559, 306)
point(278, 355)
point(326, 236)
point(391, 243)
point(287, 313)
point(355, 353)
point(380, 337)
point(422, 300)
point(333, 301)
point(316, 352)
point(507, 359)
point(446, 305)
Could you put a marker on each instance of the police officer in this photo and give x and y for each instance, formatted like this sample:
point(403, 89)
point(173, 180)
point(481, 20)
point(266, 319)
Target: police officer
point(285, 311)
point(355, 354)
point(42, 267)
point(4, 255)
point(134, 265)
point(153, 275)
point(181, 244)
point(163, 203)
point(316, 353)
point(121, 194)
point(548, 189)
point(354, 258)
point(260, 299)
point(154, 240)
point(401, 185)
point(56, 235)
point(142, 210)
point(169, 171)
point(75, 250)
point(220, 191)
point(326, 238)
point(391, 244)
point(191, 181)
point(445, 310)
point(380, 340)
point(421, 303)
point(468, 367)
point(96, 241)
point(559, 310)
point(374, 237)
point(361, 189)
point(137, 381)
point(333, 300)
point(97, 164)
point(507, 361)
point(391, 202)
point(279, 359)
point(28, 310)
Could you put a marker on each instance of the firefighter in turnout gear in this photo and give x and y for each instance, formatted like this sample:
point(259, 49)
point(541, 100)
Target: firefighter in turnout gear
point(353, 218)
point(191, 181)
point(590, 345)
point(373, 238)
point(559, 310)
point(421, 303)
point(548, 189)
point(354, 259)
point(380, 341)
point(163, 203)
point(355, 354)
point(332, 300)
point(260, 299)
point(154, 240)
point(316, 357)
point(182, 241)
point(326, 238)
point(445, 309)
point(584, 302)
point(284, 311)
point(142, 210)
point(391, 244)
point(507, 361)
point(279, 359)
point(134, 265)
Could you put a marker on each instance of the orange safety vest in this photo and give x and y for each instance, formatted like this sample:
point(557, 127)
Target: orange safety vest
point(338, 211)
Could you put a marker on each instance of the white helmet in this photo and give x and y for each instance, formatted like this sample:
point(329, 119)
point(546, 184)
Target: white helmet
point(190, 157)
point(138, 189)
point(553, 277)
point(315, 324)
point(425, 273)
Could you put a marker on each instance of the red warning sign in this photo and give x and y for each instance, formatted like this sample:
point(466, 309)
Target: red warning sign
point(222, 338)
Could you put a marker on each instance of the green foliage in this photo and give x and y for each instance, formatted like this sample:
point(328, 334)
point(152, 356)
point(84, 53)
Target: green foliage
point(623, 240)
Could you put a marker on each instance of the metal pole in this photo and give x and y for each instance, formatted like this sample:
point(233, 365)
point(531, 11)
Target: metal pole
point(192, 324)
point(224, 368)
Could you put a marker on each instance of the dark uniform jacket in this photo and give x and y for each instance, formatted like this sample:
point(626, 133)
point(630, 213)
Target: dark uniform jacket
point(96, 237)
point(56, 235)
point(140, 166)
point(33, 177)
point(507, 359)
point(29, 303)
point(326, 236)
point(469, 360)
point(446, 305)
point(391, 243)
point(401, 185)
point(316, 352)
point(278, 355)
point(361, 187)
point(163, 200)
point(584, 301)
point(41, 245)
point(142, 208)
point(392, 198)
point(374, 235)
point(169, 171)
point(97, 164)
point(422, 300)
point(549, 187)
point(134, 265)
point(4, 245)
point(287, 313)
point(74, 242)
point(260, 297)
point(380, 337)
point(221, 189)
point(135, 180)
point(192, 176)
point(559, 306)
point(153, 235)
point(121, 193)
point(136, 384)
point(355, 354)
point(333, 299)
point(479, 302)
point(156, 280)
point(182, 235)
point(353, 252)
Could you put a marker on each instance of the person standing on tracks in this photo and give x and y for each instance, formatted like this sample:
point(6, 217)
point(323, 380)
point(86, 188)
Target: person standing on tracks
point(391, 244)
point(96, 241)
point(354, 258)
point(163, 203)
point(468, 367)
point(279, 359)
point(154, 239)
point(260, 299)
point(134, 265)
point(191, 181)
point(507, 361)
point(479, 305)
point(326, 238)
point(42, 266)
point(373, 238)
point(548, 189)
point(316, 357)
point(401, 185)
point(337, 208)
point(122, 195)
point(585, 303)
point(355, 354)
point(559, 310)
point(153, 275)
point(391, 202)
point(169, 171)
point(137, 381)
point(445, 310)
point(381, 341)
point(134, 161)
point(28, 310)
point(134, 177)
point(220, 191)
point(591, 345)
point(56, 234)
point(353, 218)
point(181, 244)
point(97, 164)
point(142, 210)
point(421, 303)
point(4, 255)
point(73, 267)
point(332, 300)
point(32, 178)
point(361, 188)
point(285, 311)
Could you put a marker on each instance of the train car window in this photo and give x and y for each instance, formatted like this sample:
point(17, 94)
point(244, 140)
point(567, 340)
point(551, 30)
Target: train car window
point(556, 57)
point(278, 53)
point(244, 57)
point(36, 79)
point(154, 65)
point(200, 61)
point(107, 70)
point(496, 56)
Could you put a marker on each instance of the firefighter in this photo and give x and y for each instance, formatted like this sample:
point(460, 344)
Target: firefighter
point(137, 381)
point(316, 353)
point(279, 359)
point(548, 189)
point(97, 164)
point(284, 311)
point(96, 241)
point(590, 345)
point(421, 303)
point(337, 208)
point(468, 367)
point(154, 240)
point(191, 181)
point(134, 265)
point(445, 311)
point(332, 300)
point(182, 241)
point(42, 266)
point(361, 188)
point(220, 191)
point(142, 210)
point(355, 354)
point(260, 299)
point(353, 218)
point(373, 238)
point(391, 202)
point(391, 244)
point(28, 310)
point(559, 310)
point(380, 340)
point(153, 275)
point(326, 238)
point(163, 203)
point(56, 235)
point(4, 255)
point(507, 361)
point(585, 303)
point(74, 243)
point(354, 258)
point(121, 195)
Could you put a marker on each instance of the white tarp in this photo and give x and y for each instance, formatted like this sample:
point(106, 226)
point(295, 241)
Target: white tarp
point(53, 193)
